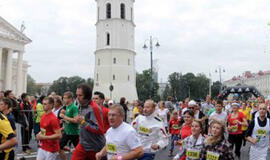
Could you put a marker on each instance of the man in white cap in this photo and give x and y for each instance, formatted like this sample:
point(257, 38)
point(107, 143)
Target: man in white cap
point(191, 106)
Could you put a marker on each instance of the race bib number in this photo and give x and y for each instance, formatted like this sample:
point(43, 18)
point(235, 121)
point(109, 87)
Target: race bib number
point(43, 131)
point(193, 153)
point(212, 155)
point(111, 148)
point(234, 128)
point(261, 133)
point(144, 130)
point(175, 126)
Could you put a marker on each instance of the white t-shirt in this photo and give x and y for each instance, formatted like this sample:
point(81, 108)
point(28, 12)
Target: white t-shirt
point(163, 115)
point(56, 111)
point(222, 116)
point(121, 140)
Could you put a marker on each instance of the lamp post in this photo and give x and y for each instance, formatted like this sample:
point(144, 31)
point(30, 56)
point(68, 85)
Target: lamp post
point(151, 58)
point(220, 70)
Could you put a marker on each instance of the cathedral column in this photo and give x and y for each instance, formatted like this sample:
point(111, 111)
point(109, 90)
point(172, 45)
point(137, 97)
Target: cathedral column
point(19, 88)
point(8, 80)
point(1, 75)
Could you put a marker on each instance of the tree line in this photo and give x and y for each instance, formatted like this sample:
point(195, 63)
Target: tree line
point(179, 86)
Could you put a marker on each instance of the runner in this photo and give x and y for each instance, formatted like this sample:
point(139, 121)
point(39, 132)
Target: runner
point(235, 121)
point(151, 131)
point(258, 135)
point(186, 127)
point(99, 99)
point(71, 131)
point(246, 110)
point(7, 131)
point(135, 111)
point(163, 114)
point(174, 129)
point(122, 142)
point(216, 147)
point(90, 118)
point(218, 114)
point(207, 105)
point(193, 144)
point(50, 133)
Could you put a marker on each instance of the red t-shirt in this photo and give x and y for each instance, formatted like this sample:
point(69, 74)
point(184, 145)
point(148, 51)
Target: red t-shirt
point(106, 124)
point(174, 126)
point(48, 124)
point(237, 128)
point(185, 131)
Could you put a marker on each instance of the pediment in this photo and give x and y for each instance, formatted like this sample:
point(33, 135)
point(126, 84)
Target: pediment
point(10, 32)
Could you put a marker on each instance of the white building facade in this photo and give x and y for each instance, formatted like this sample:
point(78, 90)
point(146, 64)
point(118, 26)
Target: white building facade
point(260, 80)
point(13, 72)
point(115, 55)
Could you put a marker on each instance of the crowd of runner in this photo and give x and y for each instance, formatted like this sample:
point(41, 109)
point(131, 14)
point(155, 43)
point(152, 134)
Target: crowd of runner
point(92, 127)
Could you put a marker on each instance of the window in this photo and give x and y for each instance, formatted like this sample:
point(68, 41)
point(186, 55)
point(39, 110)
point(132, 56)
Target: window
point(98, 13)
point(128, 77)
point(131, 13)
point(114, 60)
point(113, 77)
point(108, 39)
point(128, 61)
point(108, 11)
point(97, 76)
point(123, 12)
point(98, 61)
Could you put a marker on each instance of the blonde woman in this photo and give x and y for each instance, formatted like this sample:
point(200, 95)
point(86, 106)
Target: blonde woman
point(193, 144)
point(216, 146)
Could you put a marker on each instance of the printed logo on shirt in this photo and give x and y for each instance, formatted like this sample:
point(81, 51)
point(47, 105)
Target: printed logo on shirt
point(111, 148)
point(212, 155)
point(261, 132)
point(43, 131)
point(175, 126)
point(193, 153)
point(144, 130)
point(234, 128)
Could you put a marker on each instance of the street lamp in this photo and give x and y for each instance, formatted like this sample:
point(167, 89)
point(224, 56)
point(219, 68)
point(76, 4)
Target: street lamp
point(220, 71)
point(151, 57)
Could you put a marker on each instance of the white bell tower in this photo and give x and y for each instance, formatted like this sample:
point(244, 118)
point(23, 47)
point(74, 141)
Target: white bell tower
point(115, 55)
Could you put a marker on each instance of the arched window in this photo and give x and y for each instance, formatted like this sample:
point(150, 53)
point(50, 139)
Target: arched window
point(128, 61)
point(108, 10)
point(98, 61)
point(97, 76)
point(114, 60)
point(113, 77)
point(128, 77)
point(131, 13)
point(108, 37)
point(123, 11)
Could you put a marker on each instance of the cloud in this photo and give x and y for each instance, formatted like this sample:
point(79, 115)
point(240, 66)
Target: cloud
point(195, 35)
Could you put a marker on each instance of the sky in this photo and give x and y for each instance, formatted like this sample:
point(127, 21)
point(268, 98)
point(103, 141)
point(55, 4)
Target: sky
point(196, 36)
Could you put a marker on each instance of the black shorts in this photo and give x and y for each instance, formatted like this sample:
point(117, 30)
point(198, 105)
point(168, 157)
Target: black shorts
point(74, 139)
point(7, 155)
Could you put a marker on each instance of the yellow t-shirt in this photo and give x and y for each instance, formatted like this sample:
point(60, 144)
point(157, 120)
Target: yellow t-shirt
point(135, 111)
point(247, 114)
point(6, 132)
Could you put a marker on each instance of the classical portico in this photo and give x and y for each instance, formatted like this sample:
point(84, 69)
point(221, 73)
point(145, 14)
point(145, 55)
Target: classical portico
point(13, 71)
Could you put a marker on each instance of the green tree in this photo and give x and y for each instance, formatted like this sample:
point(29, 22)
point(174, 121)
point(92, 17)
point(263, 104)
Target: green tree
point(177, 86)
point(32, 87)
point(64, 84)
point(202, 86)
point(166, 93)
point(143, 81)
point(215, 89)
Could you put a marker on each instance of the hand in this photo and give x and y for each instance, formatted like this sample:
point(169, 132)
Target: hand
point(98, 156)
point(155, 146)
point(62, 115)
point(114, 158)
point(27, 128)
point(40, 136)
point(253, 140)
point(63, 111)
point(78, 118)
